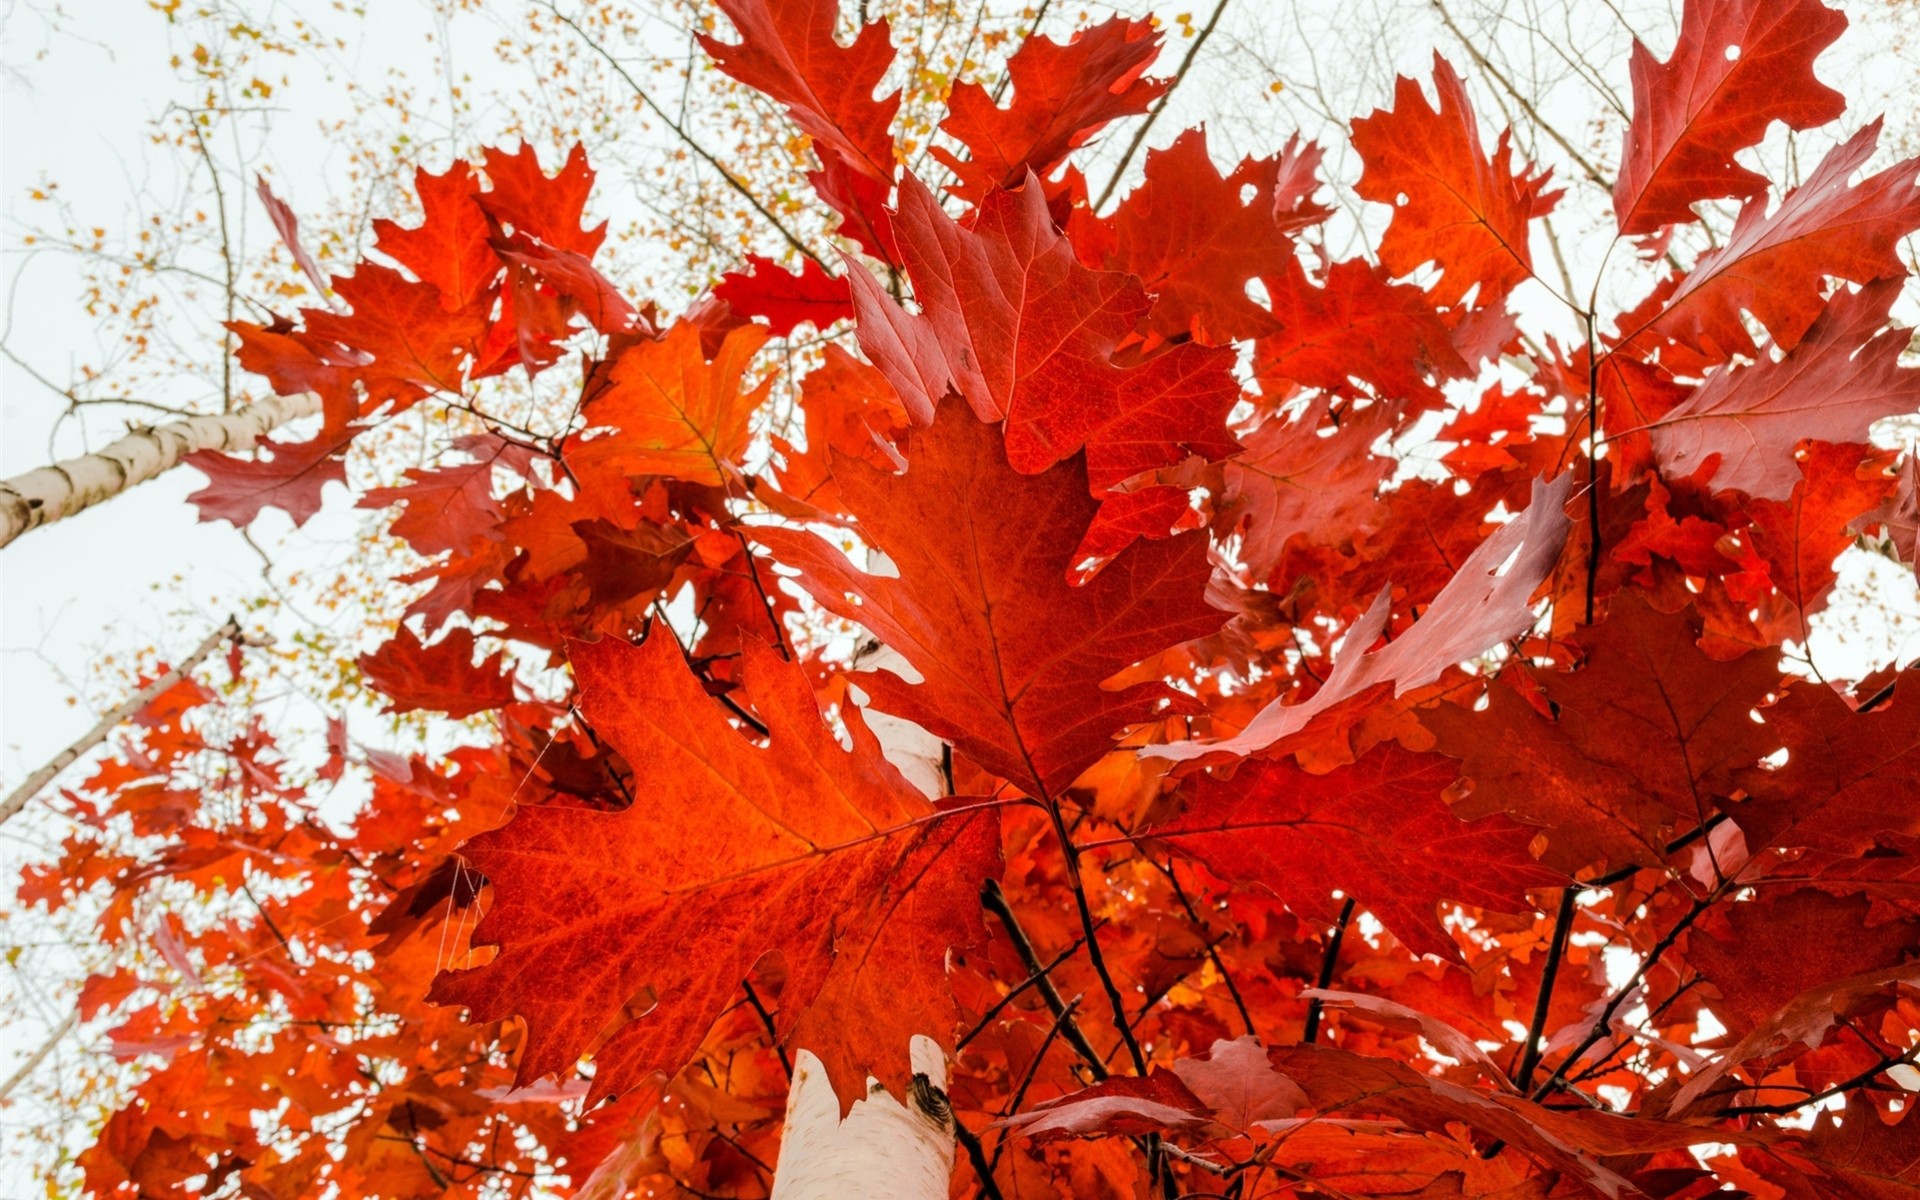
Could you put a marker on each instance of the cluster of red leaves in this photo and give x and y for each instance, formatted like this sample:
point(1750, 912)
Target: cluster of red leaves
point(1284, 899)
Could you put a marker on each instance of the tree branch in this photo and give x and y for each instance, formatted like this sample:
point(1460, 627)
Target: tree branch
point(1160, 105)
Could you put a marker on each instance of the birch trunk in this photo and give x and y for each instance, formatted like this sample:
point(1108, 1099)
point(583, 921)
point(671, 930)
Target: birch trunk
point(884, 1150)
point(17, 799)
point(43, 496)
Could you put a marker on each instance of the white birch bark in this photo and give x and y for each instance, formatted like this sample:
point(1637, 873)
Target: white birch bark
point(884, 1150)
point(43, 496)
point(17, 799)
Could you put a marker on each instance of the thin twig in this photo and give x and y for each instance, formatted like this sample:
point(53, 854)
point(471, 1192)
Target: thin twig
point(680, 131)
point(1604, 1021)
point(995, 902)
point(1556, 949)
point(1213, 947)
point(1860, 1080)
point(1000, 1005)
point(1160, 105)
point(766, 1019)
point(1327, 962)
point(982, 1169)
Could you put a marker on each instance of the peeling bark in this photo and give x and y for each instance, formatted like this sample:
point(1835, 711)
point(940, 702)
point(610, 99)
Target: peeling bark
point(883, 1150)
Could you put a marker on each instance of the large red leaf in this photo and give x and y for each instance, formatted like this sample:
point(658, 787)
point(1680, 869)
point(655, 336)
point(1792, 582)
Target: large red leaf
point(1453, 205)
point(659, 407)
point(1841, 378)
point(829, 858)
point(1739, 66)
point(787, 50)
point(1011, 656)
point(1012, 322)
point(1063, 92)
point(1378, 830)
point(1479, 608)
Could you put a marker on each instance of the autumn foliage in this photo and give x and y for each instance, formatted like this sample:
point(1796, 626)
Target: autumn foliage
point(1346, 826)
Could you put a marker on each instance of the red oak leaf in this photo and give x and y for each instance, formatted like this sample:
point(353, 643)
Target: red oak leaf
point(441, 677)
point(1775, 265)
point(783, 298)
point(547, 208)
point(1782, 943)
point(1798, 540)
point(1378, 830)
point(788, 52)
point(831, 859)
point(1304, 478)
point(1063, 92)
point(1841, 378)
point(1194, 243)
point(1639, 735)
point(1157, 1102)
point(1849, 779)
point(449, 509)
point(658, 407)
point(1339, 1081)
point(290, 478)
point(1739, 66)
point(450, 248)
point(1453, 206)
point(1011, 657)
point(1353, 332)
point(1014, 324)
point(1151, 512)
point(409, 343)
point(1804, 1020)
